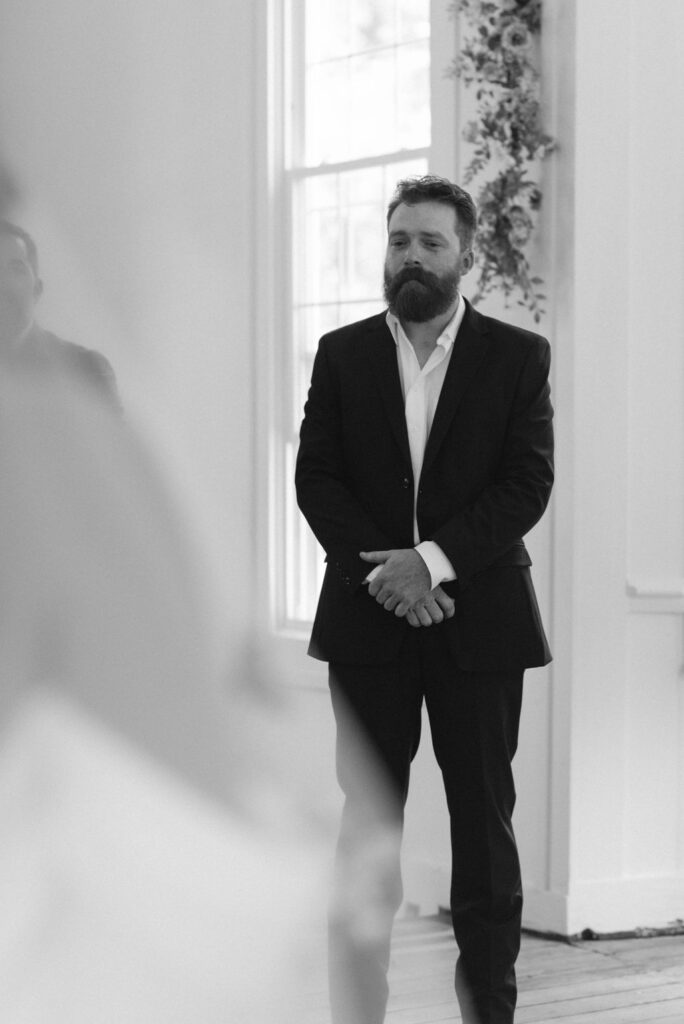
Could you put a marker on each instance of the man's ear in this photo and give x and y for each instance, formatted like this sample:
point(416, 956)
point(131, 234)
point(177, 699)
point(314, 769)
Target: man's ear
point(467, 261)
point(37, 289)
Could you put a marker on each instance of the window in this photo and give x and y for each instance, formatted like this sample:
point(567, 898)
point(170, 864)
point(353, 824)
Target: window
point(359, 103)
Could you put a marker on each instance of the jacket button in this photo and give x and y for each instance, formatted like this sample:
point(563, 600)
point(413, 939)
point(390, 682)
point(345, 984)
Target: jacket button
point(405, 482)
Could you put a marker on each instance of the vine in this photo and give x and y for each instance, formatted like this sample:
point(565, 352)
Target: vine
point(497, 58)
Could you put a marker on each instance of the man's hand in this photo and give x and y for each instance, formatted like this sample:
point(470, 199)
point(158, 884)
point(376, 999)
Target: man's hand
point(403, 579)
point(434, 607)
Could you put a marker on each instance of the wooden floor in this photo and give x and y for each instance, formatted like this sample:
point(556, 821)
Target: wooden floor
point(626, 981)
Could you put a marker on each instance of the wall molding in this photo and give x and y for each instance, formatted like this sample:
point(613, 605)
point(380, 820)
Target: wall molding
point(655, 597)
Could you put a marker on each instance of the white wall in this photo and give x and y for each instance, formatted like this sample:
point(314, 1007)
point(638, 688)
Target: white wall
point(615, 853)
point(600, 768)
point(426, 852)
point(128, 128)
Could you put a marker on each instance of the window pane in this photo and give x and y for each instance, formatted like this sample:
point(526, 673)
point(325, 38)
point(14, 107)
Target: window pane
point(339, 236)
point(327, 30)
point(413, 91)
point(327, 117)
point(373, 24)
point(413, 20)
point(364, 83)
point(367, 82)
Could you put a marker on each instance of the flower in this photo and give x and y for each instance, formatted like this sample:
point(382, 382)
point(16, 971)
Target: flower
point(520, 226)
point(516, 37)
point(490, 71)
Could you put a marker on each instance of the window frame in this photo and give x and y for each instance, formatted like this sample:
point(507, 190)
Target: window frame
point(273, 296)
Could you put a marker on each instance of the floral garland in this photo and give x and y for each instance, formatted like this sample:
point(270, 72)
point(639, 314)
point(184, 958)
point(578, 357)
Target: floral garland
point(497, 58)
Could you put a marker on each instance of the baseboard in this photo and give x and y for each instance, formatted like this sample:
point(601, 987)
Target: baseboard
point(605, 908)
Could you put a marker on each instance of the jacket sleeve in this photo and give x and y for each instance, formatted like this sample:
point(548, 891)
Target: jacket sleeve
point(337, 517)
point(515, 500)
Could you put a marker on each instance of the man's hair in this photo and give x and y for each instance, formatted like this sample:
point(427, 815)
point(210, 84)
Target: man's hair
point(432, 189)
point(7, 228)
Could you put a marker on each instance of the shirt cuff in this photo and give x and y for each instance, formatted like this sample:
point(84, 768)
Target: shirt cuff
point(440, 568)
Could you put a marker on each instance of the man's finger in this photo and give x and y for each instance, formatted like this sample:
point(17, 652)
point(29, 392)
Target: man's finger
point(412, 618)
point(391, 603)
point(423, 615)
point(434, 611)
point(378, 557)
point(446, 603)
point(448, 606)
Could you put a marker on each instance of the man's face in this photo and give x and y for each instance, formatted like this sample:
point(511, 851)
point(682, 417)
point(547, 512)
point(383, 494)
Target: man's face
point(19, 287)
point(424, 261)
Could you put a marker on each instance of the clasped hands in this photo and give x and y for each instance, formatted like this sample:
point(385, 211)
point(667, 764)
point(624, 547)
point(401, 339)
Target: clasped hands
point(403, 586)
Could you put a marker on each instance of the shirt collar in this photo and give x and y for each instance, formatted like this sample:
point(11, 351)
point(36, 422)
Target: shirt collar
point(448, 335)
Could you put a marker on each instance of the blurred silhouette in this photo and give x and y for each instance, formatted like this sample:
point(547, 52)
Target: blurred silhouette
point(26, 345)
point(135, 884)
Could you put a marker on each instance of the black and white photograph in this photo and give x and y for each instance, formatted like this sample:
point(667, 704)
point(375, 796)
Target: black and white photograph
point(342, 516)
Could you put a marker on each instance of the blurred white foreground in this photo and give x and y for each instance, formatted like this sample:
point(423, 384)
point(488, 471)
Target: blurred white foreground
point(133, 886)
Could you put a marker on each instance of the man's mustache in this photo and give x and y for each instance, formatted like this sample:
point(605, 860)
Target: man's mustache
point(414, 274)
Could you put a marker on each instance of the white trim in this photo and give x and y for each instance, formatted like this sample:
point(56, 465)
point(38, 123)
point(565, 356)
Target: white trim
point(625, 904)
point(445, 146)
point(606, 905)
point(358, 163)
point(279, 165)
point(544, 911)
point(268, 301)
point(656, 597)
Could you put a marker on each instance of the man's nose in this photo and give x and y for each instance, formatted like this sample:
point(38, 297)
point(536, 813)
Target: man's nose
point(412, 255)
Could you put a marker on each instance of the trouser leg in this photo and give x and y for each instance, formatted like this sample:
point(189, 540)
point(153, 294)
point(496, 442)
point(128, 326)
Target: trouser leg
point(377, 712)
point(474, 719)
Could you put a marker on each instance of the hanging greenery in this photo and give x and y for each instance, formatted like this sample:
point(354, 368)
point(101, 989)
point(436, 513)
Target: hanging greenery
point(497, 59)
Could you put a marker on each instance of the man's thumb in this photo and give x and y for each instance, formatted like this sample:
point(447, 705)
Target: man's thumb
point(374, 556)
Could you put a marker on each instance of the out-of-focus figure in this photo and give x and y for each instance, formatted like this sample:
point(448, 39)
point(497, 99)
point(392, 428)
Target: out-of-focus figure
point(23, 343)
point(133, 889)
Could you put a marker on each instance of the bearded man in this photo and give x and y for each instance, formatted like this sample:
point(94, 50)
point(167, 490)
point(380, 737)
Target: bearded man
point(426, 455)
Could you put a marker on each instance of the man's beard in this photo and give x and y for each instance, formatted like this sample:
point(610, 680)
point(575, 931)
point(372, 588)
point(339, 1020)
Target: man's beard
point(416, 295)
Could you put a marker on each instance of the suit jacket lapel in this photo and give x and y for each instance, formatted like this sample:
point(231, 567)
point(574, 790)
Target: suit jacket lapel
point(470, 346)
point(382, 352)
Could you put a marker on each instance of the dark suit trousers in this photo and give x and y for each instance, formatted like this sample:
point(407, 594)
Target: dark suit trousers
point(474, 721)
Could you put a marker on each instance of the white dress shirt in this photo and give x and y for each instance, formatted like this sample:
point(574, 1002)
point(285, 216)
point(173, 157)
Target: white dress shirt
point(421, 389)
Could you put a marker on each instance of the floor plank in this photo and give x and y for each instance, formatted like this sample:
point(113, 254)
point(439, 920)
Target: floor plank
point(622, 981)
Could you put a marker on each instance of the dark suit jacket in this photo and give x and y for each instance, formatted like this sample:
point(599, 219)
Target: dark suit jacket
point(486, 479)
point(43, 355)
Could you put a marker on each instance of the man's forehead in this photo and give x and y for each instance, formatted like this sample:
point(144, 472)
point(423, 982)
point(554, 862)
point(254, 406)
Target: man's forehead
point(427, 216)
